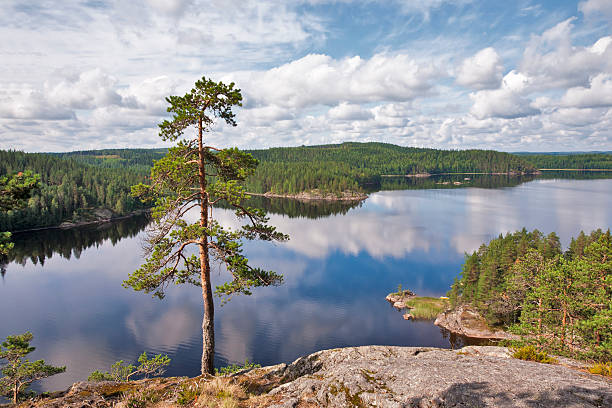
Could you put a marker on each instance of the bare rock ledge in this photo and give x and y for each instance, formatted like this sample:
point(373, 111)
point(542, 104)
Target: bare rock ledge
point(382, 376)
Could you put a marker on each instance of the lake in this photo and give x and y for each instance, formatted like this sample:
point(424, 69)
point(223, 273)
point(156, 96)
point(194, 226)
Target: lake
point(341, 261)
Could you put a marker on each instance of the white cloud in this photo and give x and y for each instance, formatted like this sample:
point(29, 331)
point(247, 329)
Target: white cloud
point(481, 71)
point(598, 94)
point(596, 8)
point(505, 102)
point(344, 111)
point(31, 104)
point(318, 79)
point(87, 90)
point(554, 62)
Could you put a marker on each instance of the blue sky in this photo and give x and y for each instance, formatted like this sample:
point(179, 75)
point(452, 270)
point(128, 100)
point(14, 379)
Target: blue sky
point(513, 76)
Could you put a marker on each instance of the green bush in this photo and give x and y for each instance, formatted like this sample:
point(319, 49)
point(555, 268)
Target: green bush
point(530, 353)
point(155, 366)
point(234, 368)
point(604, 369)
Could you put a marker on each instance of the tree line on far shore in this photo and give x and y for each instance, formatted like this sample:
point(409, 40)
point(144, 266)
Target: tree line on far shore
point(75, 183)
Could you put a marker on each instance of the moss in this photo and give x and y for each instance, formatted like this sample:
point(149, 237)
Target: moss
point(114, 390)
point(354, 400)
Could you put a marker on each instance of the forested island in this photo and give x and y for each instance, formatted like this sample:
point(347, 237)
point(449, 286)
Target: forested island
point(76, 184)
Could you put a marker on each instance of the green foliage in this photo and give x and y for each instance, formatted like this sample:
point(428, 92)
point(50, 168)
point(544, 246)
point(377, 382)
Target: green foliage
point(559, 301)
point(15, 189)
point(146, 368)
point(423, 307)
point(18, 373)
point(67, 188)
point(234, 368)
point(187, 394)
point(356, 166)
point(196, 176)
point(530, 353)
point(604, 369)
point(570, 161)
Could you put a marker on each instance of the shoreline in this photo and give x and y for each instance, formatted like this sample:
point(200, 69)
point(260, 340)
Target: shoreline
point(509, 173)
point(306, 196)
point(69, 225)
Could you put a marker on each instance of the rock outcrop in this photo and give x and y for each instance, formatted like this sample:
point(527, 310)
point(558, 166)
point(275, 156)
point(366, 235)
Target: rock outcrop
point(382, 376)
point(468, 322)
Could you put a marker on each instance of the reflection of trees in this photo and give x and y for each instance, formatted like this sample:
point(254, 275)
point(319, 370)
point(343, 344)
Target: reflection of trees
point(294, 208)
point(575, 175)
point(480, 180)
point(453, 181)
point(37, 246)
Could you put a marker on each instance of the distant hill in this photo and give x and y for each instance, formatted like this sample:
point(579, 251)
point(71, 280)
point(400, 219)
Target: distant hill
point(351, 166)
point(557, 160)
point(76, 183)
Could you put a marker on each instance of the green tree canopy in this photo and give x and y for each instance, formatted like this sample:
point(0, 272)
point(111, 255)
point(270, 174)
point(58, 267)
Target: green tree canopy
point(195, 176)
point(18, 372)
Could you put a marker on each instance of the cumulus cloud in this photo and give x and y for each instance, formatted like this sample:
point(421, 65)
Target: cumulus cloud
point(506, 102)
point(318, 79)
point(345, 111)
point(598, 94)
point(554, 62)
point(87, 90)
point(31, 104)
point(481, 71)
point(596, 8)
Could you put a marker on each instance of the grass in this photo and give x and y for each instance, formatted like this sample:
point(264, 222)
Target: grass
point(604, 369)
point(530, 353)
point(423, 307)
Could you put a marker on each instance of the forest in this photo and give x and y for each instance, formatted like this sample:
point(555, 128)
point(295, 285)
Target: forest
point(76, 183)
point(591, 161)
point(355, 166)
point(526, 283)
point(69, 190)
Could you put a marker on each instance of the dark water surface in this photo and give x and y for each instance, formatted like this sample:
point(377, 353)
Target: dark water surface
point(341, 262)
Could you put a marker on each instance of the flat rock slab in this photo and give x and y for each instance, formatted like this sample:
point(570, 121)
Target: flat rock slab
point(381, 376)
point(374, 376)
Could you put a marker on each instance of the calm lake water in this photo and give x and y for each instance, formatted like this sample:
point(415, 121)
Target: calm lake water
point(341, 262)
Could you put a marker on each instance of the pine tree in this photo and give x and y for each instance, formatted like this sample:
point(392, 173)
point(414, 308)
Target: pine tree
point(195, 176)
point(18, 373)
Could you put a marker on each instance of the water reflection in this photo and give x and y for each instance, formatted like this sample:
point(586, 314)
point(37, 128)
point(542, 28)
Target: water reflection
point(338, 267)
point(37, 246)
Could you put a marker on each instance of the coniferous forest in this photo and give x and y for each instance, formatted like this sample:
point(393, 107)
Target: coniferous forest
point(76, 183)
point(560, 300)
point(69, 190)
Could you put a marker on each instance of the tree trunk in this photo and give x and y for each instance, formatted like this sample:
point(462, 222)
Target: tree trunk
point(208, 321)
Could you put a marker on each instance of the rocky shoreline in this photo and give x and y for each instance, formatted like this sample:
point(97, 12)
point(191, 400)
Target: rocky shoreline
point(464, 320)
point(367, 376)
point(317, 195)
point(467, 322)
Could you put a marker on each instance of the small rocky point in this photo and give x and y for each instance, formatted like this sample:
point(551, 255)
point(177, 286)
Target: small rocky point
point(379, 376)
point(468, 322)
point(399, 299)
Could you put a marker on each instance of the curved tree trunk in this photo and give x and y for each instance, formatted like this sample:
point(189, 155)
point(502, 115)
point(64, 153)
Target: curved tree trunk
point(208, 321)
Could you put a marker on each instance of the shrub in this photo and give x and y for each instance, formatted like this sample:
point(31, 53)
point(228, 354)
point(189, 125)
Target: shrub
point(604, 369)
point(530, 353)
point(18, 373)
point(234, 368)
point(155, 366)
